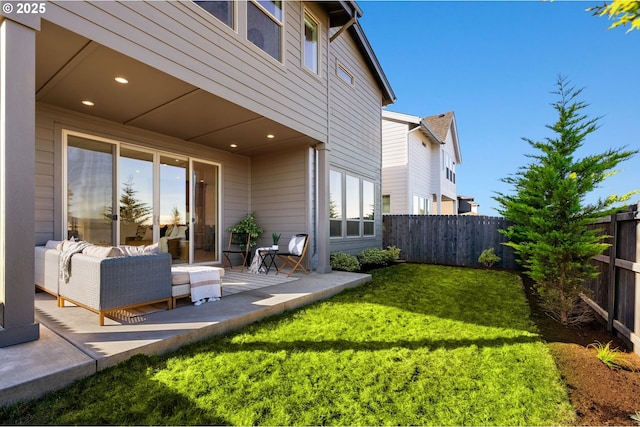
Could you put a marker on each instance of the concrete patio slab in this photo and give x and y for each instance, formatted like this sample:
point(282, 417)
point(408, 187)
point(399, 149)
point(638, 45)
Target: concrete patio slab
point(73, 345)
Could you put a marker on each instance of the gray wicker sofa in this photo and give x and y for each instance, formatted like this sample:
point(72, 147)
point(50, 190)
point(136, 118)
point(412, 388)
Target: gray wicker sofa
point(102, 282)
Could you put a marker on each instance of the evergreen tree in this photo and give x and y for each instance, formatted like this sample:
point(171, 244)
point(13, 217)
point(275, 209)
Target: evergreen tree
point(548, 211)
point(132, 210)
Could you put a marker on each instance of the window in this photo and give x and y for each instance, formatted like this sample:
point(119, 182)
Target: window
point(386, 203)
point(420, 205)
point(223, 10)
point(311, 50)
point(368, 208)
point(345, 75)
point(358, 198)
point(352, 203)
point(450, 166)
point(264, 26)
point(335, 204)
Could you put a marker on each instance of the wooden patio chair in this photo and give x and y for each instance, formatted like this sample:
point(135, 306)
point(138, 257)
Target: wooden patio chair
point(295, 254)
point(239, 243)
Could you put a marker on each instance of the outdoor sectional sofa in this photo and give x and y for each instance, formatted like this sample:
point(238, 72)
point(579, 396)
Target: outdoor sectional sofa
point(103, 279)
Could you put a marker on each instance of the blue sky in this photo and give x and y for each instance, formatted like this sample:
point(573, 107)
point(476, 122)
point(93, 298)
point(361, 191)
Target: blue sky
point(494, 64)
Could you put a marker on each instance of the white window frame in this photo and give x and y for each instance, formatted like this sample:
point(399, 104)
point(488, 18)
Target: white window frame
point(234, 13)
point(276, 20)
point(345, 75)
point(308, 15)
point(344, 219)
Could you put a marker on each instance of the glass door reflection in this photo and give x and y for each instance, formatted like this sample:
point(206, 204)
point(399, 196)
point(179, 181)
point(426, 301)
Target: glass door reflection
point(174, 208)
point(136, 197)
point(205, 214)
point(90, 199)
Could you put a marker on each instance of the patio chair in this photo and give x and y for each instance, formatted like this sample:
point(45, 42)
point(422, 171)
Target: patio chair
point(239, 243)
point(296, 251)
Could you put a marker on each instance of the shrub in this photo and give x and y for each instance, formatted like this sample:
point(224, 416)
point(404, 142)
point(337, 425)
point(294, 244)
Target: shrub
point(372, 256)
point(248, 225)
point(392, 253)
point(488, 258)
point(612, 357)
point(344, 262)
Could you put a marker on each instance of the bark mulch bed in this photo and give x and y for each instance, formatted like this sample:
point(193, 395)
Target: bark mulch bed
point(600, 395)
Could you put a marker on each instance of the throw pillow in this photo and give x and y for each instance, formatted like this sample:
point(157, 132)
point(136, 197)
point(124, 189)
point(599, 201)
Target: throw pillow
point(52, 244)
point(102, 251)
point(296, 244)
point(128, 250)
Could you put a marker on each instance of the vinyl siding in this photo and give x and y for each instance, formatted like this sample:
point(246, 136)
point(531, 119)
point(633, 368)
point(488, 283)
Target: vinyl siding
point(280, 193)
point(420, 172)
point(355, 130)
point(395, 165)
point(50, 121)
point(184, 41)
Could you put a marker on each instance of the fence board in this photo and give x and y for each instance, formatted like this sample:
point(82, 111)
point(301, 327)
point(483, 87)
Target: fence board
point(614, 291)
point(447, 239)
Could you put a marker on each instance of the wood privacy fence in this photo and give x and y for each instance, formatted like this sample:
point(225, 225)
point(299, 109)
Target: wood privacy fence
point(447, 239)
point(614, 293)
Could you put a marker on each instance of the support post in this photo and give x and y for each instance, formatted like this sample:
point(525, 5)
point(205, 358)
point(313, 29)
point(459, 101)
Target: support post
point(324, 262)
point(17, 181)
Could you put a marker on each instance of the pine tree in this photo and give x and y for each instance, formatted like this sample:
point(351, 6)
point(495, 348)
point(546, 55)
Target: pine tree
point(132, 210)
point(548, 211)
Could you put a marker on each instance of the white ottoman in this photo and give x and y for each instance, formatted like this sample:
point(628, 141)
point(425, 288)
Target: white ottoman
point(180, 284)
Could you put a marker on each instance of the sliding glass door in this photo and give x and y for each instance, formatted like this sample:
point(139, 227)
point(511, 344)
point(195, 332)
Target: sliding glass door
point(136, 197)
point(90, 199)
point(123, 195)
point(205, 215)
point(174, 207)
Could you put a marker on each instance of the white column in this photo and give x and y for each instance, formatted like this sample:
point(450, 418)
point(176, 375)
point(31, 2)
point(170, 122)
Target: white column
point(324, 264)
point(17, 177)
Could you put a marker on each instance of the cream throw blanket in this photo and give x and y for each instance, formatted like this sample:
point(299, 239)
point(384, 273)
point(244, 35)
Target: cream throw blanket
point(205, 283)
point(65, 258)
point(256, 263)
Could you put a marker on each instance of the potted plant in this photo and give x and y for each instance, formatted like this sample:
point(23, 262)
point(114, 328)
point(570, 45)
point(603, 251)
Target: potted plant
point(276, 239)
point(247, 225)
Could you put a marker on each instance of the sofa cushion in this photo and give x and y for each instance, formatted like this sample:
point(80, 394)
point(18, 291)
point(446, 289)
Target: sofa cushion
point(102, 251)
point(179, 277)
point(52, 244)
point(66, 245)
point(128, 250)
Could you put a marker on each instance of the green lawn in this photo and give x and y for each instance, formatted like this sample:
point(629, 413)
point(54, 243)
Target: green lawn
point(418, 345)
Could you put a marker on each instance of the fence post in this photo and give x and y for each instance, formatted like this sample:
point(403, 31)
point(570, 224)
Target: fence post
point(612, 273)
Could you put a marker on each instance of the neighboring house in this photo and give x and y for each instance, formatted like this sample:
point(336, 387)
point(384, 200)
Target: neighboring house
point(419, 159)
point(467, 206)
point(197, 112)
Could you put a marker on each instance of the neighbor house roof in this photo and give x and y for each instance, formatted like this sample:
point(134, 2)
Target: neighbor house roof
point(440, 124)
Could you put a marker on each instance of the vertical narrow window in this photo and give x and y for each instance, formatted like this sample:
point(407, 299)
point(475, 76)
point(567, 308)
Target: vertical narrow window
point(311, 50)
point(223, 10)
point(368, 208)
point(386, 203)
point(352, 202)
point(335, 204)
point(264, 26)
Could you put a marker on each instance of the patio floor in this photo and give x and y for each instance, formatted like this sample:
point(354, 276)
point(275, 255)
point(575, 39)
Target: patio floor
point(72, 345)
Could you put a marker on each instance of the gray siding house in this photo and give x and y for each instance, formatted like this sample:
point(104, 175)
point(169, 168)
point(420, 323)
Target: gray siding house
point(419, 160)
point(200, 112)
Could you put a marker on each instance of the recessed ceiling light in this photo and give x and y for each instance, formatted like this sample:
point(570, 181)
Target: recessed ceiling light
point(271, 136)
point(233, 145)
point(88, 103)
point(122, 80)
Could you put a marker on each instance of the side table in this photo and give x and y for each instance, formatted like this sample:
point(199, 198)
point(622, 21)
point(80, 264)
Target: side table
point(267, 259)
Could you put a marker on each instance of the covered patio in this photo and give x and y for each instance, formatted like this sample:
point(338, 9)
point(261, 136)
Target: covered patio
point(73, 346)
